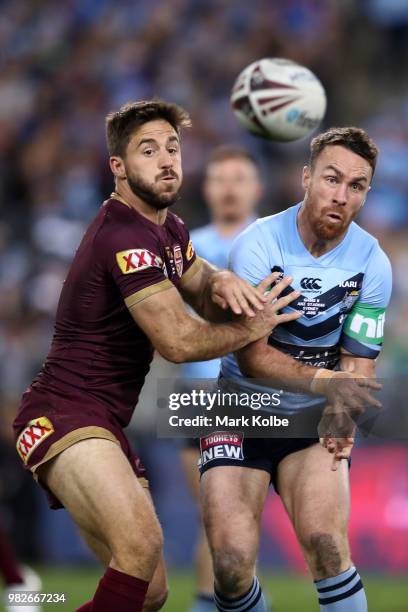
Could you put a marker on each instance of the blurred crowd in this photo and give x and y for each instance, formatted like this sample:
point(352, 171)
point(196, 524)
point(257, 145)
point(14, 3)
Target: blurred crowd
point(64, 66)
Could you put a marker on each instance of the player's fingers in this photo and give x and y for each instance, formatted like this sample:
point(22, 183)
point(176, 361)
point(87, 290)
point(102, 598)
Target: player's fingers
point(279, 287)
point(369, 383)
point(331, 447)
point(289, 316)
point(286, 300)
point(267, 281)
point(368, 400)
point(252, 296)
point(243, 304)
point(232, 302)
point(335, 464)
point(217, 299)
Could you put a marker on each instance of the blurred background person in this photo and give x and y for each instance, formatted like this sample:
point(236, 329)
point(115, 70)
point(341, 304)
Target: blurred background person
point(232, 189)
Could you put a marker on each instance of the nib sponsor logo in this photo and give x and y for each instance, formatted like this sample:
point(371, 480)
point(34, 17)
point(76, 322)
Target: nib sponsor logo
point(36, 432)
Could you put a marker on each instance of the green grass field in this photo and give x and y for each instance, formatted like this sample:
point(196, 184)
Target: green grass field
point(289, 593)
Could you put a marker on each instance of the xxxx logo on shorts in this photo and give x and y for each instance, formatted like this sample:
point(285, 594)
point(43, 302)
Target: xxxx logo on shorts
point(32, 435)
point(134, 260)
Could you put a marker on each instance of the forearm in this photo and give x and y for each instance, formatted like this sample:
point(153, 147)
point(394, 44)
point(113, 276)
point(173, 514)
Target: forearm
point(203, 303)
point(357, 365)
point(200, 340)
point(279, 369)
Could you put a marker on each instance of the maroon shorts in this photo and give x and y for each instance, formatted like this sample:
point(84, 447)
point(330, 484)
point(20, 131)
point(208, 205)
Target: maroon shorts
point(47, 424)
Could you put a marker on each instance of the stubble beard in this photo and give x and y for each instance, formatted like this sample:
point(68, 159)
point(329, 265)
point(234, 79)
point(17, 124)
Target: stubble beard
point(149, 195)
point(322, 227)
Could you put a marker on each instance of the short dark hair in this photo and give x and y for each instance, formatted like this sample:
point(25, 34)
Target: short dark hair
point(230, 151)
point(121, 124)
point(352, 138)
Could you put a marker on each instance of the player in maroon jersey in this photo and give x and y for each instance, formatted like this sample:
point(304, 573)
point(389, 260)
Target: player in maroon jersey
point(123, 296)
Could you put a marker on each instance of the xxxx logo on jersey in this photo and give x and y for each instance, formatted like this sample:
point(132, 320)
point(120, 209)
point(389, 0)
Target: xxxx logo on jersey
point(32, 435)
point(134, 260)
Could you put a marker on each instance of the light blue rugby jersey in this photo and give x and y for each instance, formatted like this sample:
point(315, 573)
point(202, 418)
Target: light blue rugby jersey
point(210, 245)
point(344, 294)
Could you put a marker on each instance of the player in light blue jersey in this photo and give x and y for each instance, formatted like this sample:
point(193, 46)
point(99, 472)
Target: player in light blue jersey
point(232, 189)
point(345, 282)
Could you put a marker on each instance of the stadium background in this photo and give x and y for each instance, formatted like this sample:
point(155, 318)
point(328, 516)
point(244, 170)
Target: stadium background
point(63, 67)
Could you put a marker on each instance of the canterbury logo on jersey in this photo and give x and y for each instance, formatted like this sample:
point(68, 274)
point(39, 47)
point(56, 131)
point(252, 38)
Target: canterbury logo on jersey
point(311, 284)
point(134, 260)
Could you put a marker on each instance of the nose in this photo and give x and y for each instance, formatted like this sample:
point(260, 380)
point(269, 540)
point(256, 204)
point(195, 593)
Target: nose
point(165, 159)
point(340, 195)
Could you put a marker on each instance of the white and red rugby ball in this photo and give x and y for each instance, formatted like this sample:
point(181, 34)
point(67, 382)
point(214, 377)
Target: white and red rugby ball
point(278, 99)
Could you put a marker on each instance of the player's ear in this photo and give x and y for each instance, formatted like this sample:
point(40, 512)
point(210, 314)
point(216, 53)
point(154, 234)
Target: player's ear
point(260, 190)
point(365, 197)
point(306, 174)
point(117, 167)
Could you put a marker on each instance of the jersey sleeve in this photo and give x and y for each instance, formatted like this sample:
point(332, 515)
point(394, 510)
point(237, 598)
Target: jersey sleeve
point(249, 258)
point(363, 330)
point(133, 260)
point(191, 263)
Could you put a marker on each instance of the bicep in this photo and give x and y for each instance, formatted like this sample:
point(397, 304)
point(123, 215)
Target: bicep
point(194, 285)
point(162, 317)
point(363, 329)
point(196, 292)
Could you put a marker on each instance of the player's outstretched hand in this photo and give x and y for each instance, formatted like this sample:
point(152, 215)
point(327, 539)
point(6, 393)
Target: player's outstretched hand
point(340, 448)
point(266, 320)
point(352, 393)
point(230, 291)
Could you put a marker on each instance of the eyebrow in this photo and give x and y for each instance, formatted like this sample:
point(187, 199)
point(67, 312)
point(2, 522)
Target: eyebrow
point(337, 171)
point(153, 141)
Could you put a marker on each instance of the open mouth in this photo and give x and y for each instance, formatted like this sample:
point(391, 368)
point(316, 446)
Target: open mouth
point(335, 216)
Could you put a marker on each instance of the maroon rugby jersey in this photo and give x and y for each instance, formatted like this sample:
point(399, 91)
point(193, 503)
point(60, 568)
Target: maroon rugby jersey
point(99, 354)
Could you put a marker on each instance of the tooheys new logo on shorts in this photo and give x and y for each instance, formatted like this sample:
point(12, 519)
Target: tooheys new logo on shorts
point(134, 260)
point(366, 324)
point(221, 445)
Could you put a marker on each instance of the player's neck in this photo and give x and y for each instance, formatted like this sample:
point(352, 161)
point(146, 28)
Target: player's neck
point(315, 245)
point(228, 228)
point(125, 195)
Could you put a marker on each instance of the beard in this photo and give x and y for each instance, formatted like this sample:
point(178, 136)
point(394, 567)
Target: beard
point(326, 229)
point(322, 226)
point(149, 194)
